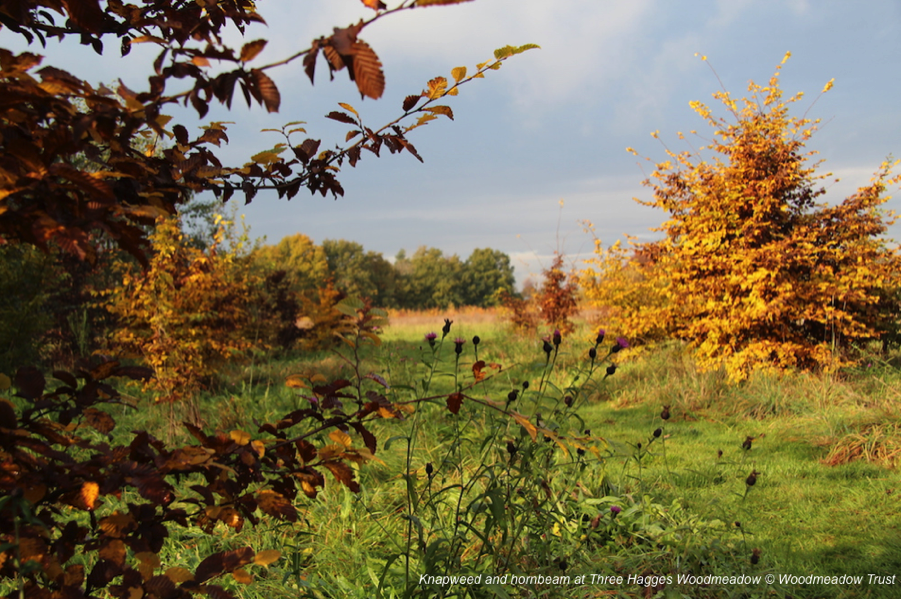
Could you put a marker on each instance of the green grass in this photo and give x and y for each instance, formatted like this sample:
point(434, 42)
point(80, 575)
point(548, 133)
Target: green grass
point(826, 499)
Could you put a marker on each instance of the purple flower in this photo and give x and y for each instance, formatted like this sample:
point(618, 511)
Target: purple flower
point(620, 345)
point(600, 338)
point(430, 337)
point(458, 345)
point(615, 509)
point(557, 337)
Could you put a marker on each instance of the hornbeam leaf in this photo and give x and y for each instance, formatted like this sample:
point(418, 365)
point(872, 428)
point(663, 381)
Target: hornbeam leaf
point(367, 70)
point(266, 86)
point(250, 50)
point(458, 73)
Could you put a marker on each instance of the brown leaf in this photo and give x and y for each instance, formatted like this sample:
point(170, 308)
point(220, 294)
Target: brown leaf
point(374, 4)
point(250, 50)
point(309, 61)
point(368, 438)
point(342, 117)
point(454, 401)
point(344, 474)
point(30, 382)
point(86, 14)
point(410, 102)
point(99, 421)
point(97, 188)
point(266, 86)
point(276, 505)
point(104, 370)
point(367, 70)
point(114, 551)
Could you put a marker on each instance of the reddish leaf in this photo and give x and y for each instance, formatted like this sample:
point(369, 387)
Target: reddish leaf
point(86, 14)
point(266, 86)
point(374, 4)
point(454, 401)
point(104, 370)
point(96, 188)
point(367, 70)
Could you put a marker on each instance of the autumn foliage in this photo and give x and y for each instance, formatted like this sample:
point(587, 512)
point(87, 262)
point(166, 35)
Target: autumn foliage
point(753, 271)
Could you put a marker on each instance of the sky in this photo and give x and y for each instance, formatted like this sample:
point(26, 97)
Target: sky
point(539, 146)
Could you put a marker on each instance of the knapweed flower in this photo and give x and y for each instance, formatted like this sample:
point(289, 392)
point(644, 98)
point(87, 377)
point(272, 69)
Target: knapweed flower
point(446, 328)
point(614, 510)
point(600, 337)
point(458, 345)
point(620, 345)
point(557, 337)
point(430, 337)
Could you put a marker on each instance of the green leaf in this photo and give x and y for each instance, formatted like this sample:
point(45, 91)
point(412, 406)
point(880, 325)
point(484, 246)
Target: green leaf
point(504, 52)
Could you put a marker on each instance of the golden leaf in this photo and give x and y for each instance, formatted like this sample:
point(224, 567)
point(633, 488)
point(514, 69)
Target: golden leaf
point(266, 557)
point(240, 437)
point(243, 576)
point(89, 493)
point(179, 575)
point(341, 437)
point(458, 73)
point(524, 422)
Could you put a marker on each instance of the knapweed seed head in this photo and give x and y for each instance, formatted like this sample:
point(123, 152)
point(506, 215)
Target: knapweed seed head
point(593, 353)
point(557, 337)
point(620, 345)
point(746, 444)
point(719, 453)
point(755, 556)
point(568, 401)
point(446, 328)
point(458, 345)
point(429, 469)
point(611, 369)
point(525, 385)
point(511, 448)
point(665, 413)
point(752, 478)
point(511, 397)
point(658, 432)
point(430, 337)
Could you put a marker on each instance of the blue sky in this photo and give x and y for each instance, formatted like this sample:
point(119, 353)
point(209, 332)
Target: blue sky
point(552, 124)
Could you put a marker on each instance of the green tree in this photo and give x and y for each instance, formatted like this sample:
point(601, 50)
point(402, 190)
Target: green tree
point(359, 273)
point(304, 261)
point(488, 272)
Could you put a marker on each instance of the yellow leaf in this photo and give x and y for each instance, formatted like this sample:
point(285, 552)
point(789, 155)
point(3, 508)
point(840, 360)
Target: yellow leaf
point(458, 73)
point(258, 447)
point(266, 557)
point(524, 422)
point(295, 381)
point(179, 575)
point(341, 437)
point(242, 576)
point(240, 437)
point(89, 492)
point(348, 107)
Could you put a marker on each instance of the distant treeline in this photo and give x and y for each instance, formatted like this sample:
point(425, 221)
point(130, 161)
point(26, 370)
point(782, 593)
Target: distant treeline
point(427, 279)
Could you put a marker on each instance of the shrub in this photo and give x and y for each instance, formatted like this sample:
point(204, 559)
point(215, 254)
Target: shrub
point(752, 271)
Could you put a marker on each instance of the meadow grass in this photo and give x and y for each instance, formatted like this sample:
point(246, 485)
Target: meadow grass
point(445, 496)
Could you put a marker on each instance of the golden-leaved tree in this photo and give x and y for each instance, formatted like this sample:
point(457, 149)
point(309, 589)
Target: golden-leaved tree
point(189, 312)
point(753, 271)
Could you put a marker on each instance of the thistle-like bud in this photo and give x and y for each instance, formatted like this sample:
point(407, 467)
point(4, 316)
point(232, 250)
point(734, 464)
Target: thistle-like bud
point(429, 469)
point(476, 340)
point(568, 400)
point(593, 353)
point(446, 328)
point(557, 337)
point(665, 413)
point(458, 345)
point(658, 432)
